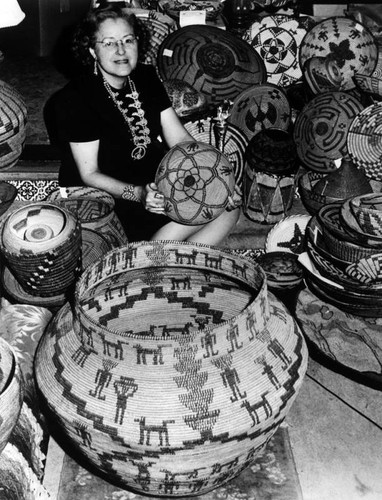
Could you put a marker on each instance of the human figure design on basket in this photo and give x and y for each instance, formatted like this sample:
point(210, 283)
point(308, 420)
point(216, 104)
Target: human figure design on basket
point(208, 340)
point(268, 371)
point(229, 376)
point(232, 336)
point(146, 430)
point(82, 431)
point(156, 353)
point(274, 347)
point(170, 483)
point(125, 388)
point(103, 378)
point(255, 407)
point(188, 258)
point(143, 478)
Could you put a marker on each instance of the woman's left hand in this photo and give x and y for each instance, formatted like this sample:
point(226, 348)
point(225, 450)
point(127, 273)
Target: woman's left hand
point(154, 201)
point(236, 199)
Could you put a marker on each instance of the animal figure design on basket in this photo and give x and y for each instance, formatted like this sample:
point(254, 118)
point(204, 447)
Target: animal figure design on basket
point(142, 352)
point(161, 430)
point(253, 408)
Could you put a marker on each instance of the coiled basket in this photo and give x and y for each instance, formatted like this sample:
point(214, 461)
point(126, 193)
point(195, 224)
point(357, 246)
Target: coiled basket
point(11, 391)
point(173, 368)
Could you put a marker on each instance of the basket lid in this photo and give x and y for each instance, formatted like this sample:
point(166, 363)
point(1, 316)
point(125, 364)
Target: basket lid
point(345, 182)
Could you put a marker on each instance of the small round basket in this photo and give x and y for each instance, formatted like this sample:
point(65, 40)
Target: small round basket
point(11, 391)
point(196, 180)
point(161, 366)
point(41, 244)
point(8, 193)
point(367, 209)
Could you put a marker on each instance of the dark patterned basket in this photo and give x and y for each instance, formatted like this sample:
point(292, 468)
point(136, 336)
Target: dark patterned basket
point(8, 193)
point(159, 374)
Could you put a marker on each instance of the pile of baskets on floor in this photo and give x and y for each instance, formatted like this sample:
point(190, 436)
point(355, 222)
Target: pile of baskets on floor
point(344, 243)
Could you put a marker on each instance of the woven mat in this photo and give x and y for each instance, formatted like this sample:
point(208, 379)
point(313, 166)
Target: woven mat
point(273, 476)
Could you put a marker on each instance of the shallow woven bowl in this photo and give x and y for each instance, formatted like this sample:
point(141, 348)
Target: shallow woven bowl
point(8, 193)
point(141, 366)
point(367, 210)
point(11, 391)
point(41, 244)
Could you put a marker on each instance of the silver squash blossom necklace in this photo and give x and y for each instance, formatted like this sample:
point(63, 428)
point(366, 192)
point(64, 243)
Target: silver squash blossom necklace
point(137, 122)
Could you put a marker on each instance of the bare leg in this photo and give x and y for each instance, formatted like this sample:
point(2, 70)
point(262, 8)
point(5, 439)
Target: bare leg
point(211, 233)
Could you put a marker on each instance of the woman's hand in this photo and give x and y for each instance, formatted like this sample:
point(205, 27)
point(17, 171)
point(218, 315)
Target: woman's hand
point(154, 200)
point(236, 199)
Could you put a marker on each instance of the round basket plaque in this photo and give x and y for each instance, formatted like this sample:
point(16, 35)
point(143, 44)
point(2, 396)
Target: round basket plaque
point(364, 140)
point(213, 61)
point(277, 40)
point(346, 41)
point(320, 131)
point(259, 107)
point(179, 401)
point(196, 180)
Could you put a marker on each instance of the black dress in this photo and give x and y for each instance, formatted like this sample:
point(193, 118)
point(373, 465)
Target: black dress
point(83, 111)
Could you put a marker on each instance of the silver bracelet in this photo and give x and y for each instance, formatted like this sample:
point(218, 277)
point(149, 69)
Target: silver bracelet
point(128, 193)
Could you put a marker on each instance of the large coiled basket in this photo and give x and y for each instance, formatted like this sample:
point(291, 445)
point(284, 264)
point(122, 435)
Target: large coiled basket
point(173, 368)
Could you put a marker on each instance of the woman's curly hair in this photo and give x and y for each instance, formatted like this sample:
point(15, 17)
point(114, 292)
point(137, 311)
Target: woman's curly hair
point(85, 34)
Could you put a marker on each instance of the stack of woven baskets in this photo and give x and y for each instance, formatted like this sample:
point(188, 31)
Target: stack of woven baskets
point(344, 242)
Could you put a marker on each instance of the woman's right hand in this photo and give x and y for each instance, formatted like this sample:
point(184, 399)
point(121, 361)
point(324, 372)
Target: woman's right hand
point(154, 200)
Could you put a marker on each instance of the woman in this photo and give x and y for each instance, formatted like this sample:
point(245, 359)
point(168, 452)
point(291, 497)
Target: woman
point(110, 122)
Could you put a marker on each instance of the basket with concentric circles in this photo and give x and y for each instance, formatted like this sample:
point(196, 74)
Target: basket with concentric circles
point(161, 366)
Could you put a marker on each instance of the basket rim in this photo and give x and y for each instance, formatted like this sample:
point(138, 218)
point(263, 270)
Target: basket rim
point(85, 278)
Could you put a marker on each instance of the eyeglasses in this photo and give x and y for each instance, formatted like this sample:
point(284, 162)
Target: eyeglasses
point(111, 44)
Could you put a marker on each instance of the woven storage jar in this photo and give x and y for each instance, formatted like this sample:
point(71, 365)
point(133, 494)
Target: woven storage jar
point(94, 209)
point(11, 391)
point(41, 244)
point(173, 368)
